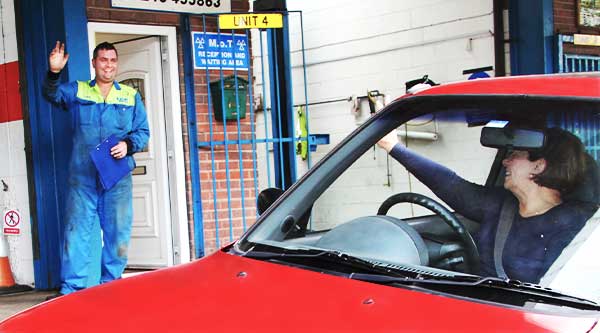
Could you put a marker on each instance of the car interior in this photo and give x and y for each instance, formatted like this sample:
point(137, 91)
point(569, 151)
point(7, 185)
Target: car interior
point(431, 239)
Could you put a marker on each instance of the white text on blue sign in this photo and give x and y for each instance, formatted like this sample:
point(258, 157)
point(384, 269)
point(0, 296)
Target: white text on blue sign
point(220, 51)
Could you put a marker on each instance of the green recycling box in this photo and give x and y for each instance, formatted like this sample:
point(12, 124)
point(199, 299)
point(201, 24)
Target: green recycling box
point(232, 107)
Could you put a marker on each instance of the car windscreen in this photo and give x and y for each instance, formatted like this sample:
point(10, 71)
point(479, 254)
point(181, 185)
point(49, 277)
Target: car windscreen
point(434, 199)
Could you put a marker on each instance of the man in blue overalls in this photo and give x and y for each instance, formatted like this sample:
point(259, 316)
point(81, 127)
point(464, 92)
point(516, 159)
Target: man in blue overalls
point(99, 108)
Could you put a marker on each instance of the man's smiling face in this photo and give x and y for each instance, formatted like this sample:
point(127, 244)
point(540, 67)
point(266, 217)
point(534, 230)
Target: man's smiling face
point(105, 64)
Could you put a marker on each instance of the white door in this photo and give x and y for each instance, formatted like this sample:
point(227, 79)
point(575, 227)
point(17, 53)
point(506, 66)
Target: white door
point(151, 239)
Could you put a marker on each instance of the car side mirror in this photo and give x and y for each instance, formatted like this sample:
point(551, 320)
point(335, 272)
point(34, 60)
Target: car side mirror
point(266, 198)
point(514, 138)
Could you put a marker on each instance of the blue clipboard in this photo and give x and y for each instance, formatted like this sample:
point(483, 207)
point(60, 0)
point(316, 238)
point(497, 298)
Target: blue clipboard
point(110, 169)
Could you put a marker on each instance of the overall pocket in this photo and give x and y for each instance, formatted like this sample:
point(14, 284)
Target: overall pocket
point(118, 117)
point(86, 114)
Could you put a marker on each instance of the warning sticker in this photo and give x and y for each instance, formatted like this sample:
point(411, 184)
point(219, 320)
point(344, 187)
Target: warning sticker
point(12, 220)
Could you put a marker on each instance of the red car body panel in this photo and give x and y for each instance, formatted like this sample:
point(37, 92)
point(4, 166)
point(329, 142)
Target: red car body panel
point(572, 85)
point(225, 292)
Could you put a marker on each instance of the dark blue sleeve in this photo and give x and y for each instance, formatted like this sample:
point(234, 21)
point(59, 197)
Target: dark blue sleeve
point(563, 229)
point(59, 94)
point(469, 199)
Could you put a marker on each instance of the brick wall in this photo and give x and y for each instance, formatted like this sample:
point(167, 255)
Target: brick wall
point(100, 11)
point(565, 22)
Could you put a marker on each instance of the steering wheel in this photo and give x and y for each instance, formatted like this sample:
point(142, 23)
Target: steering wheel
point(471, 252)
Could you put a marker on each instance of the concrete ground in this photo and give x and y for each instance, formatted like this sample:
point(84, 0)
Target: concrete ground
point(13, 303)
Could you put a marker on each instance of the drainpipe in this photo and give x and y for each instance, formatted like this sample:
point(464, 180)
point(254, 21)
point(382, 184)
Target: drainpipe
point(499, 56)
point(280, 73)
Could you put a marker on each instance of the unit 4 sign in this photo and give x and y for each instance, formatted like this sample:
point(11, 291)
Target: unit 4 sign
point(248, 21)
point(12, 220)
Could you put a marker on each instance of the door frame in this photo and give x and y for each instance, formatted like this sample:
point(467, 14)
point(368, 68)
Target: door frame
point(179, 227)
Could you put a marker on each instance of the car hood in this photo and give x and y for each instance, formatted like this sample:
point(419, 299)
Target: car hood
point(226, 292)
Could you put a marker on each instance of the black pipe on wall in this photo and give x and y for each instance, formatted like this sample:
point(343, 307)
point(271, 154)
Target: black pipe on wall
point(499, 49)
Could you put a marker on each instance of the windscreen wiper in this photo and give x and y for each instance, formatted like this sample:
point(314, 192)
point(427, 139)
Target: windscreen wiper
point(462, 283)
point(315, 257)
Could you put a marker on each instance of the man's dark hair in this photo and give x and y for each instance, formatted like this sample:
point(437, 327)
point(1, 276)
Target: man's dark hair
point(104, 46)
point(565, 161)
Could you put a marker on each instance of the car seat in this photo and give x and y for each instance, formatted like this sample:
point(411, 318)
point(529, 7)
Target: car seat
point(575, 271)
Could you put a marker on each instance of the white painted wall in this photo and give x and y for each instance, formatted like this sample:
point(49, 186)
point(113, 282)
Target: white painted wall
point(353, 46)
point(13, 169)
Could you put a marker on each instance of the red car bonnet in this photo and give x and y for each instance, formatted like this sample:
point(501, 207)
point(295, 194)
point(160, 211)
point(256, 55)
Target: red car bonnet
point(225, 292)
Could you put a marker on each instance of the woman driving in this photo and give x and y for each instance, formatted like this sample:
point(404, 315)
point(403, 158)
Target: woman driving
point(536, 185)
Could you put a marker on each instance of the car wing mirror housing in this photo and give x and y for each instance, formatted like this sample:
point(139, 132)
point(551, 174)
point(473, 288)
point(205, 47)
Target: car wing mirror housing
point(266, 198)
point(512, 138)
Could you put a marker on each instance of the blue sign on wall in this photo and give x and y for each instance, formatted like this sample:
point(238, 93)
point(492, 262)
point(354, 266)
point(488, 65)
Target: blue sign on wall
point(220, 51)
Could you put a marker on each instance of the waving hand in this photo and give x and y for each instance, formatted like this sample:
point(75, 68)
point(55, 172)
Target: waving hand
point(58, 58)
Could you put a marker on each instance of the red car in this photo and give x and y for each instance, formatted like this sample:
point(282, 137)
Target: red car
point(335, 253)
